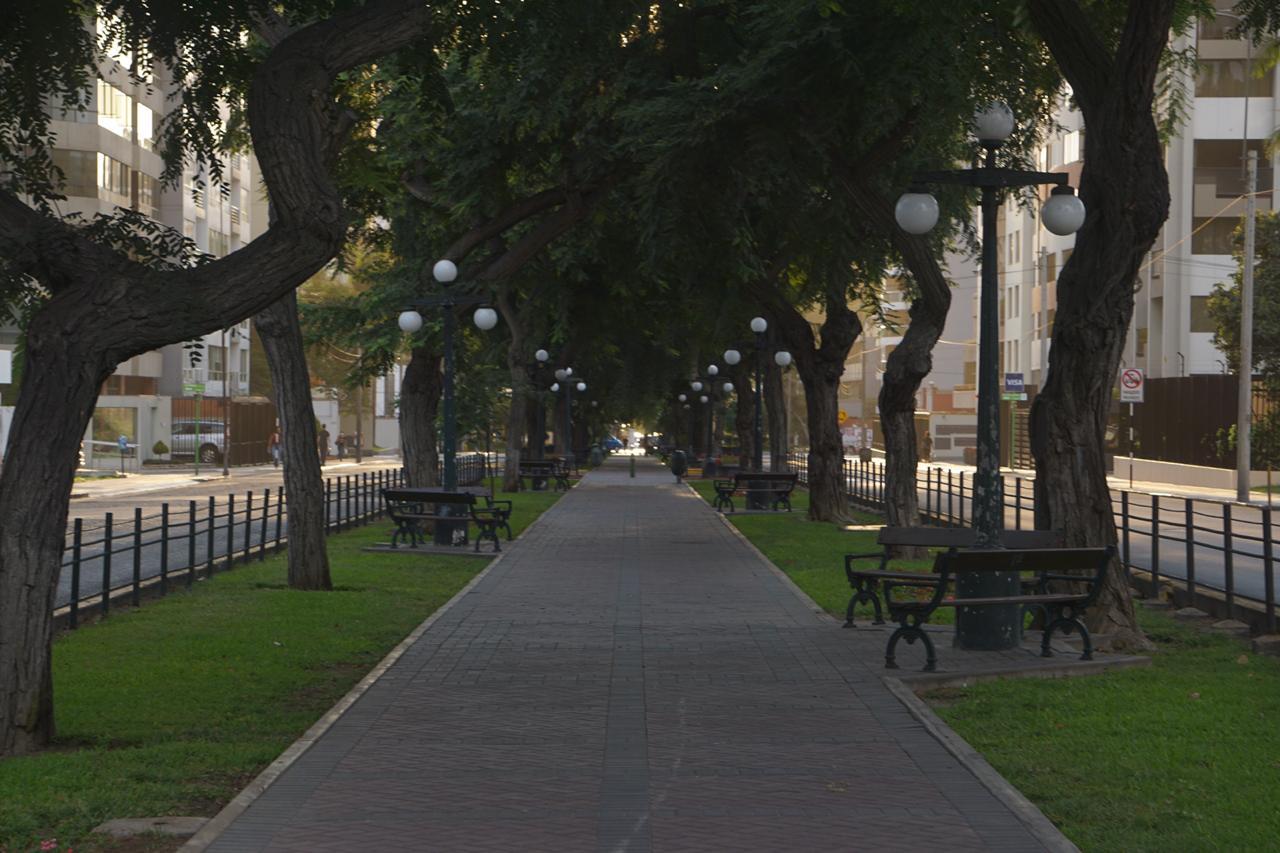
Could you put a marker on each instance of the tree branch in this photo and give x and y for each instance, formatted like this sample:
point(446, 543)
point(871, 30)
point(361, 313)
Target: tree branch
point(512, 215)
point(1077, 48)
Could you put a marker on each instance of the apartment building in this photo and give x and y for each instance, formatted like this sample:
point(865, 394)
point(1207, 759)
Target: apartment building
point(1230, 111)
point(107, 154)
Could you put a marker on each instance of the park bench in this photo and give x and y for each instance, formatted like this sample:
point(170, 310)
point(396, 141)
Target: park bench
point(536, 471)
point(409, 508)
point(777, 488)
point(1064, 610)
point(865, 583)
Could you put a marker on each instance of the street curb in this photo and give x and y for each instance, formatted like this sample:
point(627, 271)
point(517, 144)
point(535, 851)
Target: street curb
point(210, 832)
point(970, 759)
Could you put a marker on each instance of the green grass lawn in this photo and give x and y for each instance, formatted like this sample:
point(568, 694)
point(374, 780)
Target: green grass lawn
point(812, 553)
point(1181, 756)
point(172, 708)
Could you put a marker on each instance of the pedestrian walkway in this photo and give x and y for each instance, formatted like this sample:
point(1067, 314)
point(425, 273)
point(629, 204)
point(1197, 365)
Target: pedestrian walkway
point(631, 676)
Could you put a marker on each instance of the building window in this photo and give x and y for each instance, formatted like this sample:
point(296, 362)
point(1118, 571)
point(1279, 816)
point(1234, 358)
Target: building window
point(1220, 26)
point(1219, 164)
point(1071, 146)
point(1212, 235)
point(217, 363)
point(115, 181)
point(1050, 267)
point(79, 171)
point(1200, 321)
point(147, 194)
point(1231, 78)
point(115, 110)
point(219, 245)
point(146, 127)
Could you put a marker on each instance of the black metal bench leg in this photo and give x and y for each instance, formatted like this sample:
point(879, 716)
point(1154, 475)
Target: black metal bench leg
point(860, 596)
point(1066, 623)
point(911, 633)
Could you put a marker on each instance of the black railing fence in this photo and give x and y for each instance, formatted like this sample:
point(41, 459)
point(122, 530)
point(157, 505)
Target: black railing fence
point(1209, 550)
point(117, 560)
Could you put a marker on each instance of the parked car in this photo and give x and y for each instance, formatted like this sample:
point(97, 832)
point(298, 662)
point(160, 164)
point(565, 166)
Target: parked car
point(613, 443)
point(204, 437)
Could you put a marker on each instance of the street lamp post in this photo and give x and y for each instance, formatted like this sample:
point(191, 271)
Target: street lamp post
point(563, 375)
point(540, 359)
point(758, 498)
point(410, 321)
point(916, 213)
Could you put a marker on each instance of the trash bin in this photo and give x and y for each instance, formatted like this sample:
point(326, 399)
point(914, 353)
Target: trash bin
point(596, 456)
point(679, 464)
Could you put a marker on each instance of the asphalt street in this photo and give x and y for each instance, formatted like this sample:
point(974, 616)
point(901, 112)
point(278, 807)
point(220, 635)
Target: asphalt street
point(150, 494)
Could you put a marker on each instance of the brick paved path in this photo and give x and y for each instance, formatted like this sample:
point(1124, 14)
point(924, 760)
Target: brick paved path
point(631, 677)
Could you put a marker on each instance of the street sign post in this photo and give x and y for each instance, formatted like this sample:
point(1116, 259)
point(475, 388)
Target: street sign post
point(1015, 391)
point(1132, 385)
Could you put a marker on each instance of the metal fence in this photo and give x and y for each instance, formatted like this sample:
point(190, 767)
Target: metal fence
point(118, 560)
point(1215, 553)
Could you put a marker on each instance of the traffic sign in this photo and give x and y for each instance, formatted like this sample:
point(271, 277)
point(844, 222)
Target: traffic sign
point(193, 388)
point(1014, 387)
point(1131, 384)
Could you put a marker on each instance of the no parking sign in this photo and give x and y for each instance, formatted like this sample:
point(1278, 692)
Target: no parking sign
point(1131, 385)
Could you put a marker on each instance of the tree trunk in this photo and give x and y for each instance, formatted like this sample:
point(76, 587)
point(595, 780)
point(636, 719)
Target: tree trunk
point(419, 401)
point(820, 362)
point(1125, 190)
point(281, 336)
point(517, 417)
point(106, 307)
point(776, 413)
point(53, 410)
point(743, 413)
point(911, 361)
point(826, 450)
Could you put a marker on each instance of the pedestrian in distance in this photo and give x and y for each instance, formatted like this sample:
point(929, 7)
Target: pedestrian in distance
point(341, 443)
point(275, 448)
point(324, 445)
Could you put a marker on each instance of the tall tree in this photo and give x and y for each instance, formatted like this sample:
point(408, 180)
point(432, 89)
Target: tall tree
point(281, 335)
point(1112, 63)
point(104, 306)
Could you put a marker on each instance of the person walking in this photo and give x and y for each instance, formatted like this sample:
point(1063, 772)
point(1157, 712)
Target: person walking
point(341, 443)
point(274, 448)
point(324, 445)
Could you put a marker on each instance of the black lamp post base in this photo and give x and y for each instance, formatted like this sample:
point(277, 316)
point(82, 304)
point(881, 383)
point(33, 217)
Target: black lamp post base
point(991, 628)
point(450, 533)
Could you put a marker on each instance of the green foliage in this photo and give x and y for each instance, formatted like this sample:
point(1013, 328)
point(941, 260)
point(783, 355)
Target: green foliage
point(1224, 302)
point(160, 448)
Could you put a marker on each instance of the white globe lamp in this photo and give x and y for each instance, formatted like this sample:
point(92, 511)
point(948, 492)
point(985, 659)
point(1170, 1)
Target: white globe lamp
point(444, 271)
point(410, 321)
point(1063, 213)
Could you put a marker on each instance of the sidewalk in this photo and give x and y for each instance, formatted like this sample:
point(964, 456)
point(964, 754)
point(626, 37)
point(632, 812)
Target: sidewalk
point(1122, 484)
point(631, 676)
point(155, 479)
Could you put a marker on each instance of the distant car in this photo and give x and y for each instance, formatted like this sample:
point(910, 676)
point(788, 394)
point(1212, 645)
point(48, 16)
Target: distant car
point(613, 443)
point(204, 439)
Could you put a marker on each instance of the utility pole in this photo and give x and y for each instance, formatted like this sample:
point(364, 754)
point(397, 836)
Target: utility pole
point(1244, 405)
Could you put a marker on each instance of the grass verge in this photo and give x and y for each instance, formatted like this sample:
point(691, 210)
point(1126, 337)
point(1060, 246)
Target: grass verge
point(810, 552)
point(170, 709)
point(1179, 756)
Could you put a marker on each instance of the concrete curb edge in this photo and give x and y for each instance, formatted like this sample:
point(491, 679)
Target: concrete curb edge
point(210, 832)
point(969, 758)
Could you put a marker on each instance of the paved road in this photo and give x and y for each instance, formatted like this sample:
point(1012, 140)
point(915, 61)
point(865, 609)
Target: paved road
point(150, 493)
point(1208, 533)
point(630, 676)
